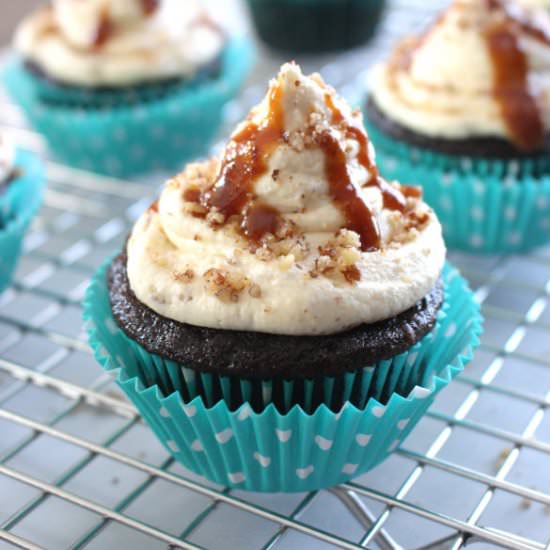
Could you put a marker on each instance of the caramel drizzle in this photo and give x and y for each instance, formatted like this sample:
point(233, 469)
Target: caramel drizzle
point(105, 27)
point(246, 159)
point(517, 104)
point(393, 199)
point(149, 6)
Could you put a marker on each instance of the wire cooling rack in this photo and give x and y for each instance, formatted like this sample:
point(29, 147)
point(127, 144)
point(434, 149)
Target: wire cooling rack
point(79, 469)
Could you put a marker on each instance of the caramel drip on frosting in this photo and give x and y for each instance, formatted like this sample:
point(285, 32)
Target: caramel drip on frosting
point(150, 6)
point(247, 157)
point(511, 90)
point(105, 27)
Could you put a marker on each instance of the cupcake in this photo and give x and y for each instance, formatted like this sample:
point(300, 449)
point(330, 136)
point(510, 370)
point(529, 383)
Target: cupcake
point(315, 25)
point(125, 87)
point(282, 311)
point(21, 182)
point(465, 109)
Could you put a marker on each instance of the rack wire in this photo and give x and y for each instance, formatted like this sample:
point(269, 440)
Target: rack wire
point(79, 469)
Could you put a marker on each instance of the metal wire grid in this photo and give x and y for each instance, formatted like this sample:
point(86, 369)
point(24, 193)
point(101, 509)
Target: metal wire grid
point(78, 469)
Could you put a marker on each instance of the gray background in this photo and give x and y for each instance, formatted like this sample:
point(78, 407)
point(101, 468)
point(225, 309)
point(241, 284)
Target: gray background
point(12, 11)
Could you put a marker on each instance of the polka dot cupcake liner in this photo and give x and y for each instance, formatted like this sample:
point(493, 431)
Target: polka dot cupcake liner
point(295, 450)
point(134, 138)
point(483, 206)
point(18, 205)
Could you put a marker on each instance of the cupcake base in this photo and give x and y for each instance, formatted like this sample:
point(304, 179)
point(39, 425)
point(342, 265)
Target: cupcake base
point(270, 450)
point(475, 147)
point(256, 355)
point(54, 92)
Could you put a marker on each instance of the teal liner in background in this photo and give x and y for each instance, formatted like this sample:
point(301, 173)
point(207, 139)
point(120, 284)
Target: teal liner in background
point(315, 25)
point(483, 206)
point(18, 205)
point(127, 140)
point(294, 451)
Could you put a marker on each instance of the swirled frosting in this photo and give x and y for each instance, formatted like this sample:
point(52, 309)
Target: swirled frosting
point(535, 4)
point(482, 70)
point(110, 43)
point(7, 158)
point(291, 231)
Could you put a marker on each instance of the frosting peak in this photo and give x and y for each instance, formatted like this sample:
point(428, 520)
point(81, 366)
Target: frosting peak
point(87, 24)
point(110, 43)
point(302, 162)
point(482, 70)
point(291, 230)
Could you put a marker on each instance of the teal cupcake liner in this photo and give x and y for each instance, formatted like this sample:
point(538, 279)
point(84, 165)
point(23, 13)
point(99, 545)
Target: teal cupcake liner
point(291, 451)
point(315, 25)
point(482, 206)
point(64, 95)
point(18, 205)
point(136, 138)
point(398, 374)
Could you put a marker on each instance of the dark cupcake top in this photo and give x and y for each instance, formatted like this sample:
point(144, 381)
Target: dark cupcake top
point(99, 43)
point(291, 231)
point(482, 70)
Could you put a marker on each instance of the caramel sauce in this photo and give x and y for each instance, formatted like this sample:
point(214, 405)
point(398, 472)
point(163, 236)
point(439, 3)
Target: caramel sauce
point(358, 216)
point(104, 29)
point(511, 87)
point(260, 219)
point(192, 194)
point(153, 207)
point(150, 6)
point(246, 159)
point(392, 197)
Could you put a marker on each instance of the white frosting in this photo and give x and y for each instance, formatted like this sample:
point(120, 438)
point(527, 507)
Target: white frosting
point(7, 157)
point(446, 91)
point(534, 4)
point(171, 42)
point(170, 251)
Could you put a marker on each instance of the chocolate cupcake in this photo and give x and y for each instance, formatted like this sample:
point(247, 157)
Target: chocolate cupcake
point(137, 75)
point(280, 240)
point(470, 98)
point(283, 282)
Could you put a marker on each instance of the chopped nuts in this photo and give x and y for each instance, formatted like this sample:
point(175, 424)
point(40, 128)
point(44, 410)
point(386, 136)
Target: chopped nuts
point(184, 276)
point(337, 258)
point(227, 286)
point(255, 291)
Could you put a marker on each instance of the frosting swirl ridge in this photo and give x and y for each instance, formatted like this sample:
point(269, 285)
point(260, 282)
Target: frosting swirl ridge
point(115, 43)
point(291, 230)
point(474, 73)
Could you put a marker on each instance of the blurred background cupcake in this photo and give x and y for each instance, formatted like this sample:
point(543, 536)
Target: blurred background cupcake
point(315, 25)
point(283, 316)
point(124, 87)
point(21, 183)
point(464, 108)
